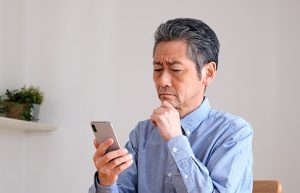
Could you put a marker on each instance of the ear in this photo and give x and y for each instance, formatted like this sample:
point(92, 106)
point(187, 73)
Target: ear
point(208, 73)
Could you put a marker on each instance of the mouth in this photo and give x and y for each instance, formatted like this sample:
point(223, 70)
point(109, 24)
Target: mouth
point(166, 96)
point(166, 93)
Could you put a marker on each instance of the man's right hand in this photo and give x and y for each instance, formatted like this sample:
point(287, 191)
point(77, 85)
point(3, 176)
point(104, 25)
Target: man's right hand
point(110, 165)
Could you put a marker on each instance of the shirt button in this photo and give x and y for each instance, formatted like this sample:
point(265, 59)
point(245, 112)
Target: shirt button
point(186, 176)
point(174, 149)
point(169, 174)
point(188, 132)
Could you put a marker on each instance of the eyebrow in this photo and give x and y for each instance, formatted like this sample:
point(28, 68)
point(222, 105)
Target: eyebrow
point(169, 63)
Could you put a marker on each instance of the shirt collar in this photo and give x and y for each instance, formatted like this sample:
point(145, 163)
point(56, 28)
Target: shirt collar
point(192, 120)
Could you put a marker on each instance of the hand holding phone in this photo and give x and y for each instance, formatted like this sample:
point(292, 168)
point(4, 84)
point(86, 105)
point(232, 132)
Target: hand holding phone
point(109, 170)
point(104, 130)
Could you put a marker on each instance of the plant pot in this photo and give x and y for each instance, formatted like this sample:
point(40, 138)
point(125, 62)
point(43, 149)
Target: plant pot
point(35, 111)
point(22, 111)
point(16, 110)
point(2, 109)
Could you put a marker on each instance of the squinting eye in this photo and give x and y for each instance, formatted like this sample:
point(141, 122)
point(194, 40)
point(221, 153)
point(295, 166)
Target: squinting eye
point(157, 70)
point(176, 70)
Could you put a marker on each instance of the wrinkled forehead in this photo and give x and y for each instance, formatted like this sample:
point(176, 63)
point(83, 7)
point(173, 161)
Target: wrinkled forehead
point(170, 51)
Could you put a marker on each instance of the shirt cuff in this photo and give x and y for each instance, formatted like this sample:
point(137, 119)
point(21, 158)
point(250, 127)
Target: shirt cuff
point(104, 189)
point(180, 148)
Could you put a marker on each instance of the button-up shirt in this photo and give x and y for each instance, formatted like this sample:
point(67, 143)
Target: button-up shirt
point(214, 155)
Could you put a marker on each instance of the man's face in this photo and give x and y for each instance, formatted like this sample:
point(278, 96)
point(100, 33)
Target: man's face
point(175, 76)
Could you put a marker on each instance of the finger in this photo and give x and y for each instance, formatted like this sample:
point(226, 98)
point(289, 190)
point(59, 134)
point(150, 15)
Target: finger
point(118, 161)
point(160, 110)
point(120, 168)
point(155, 119)
point(114, 154)
point(101, 149)
point(103, 160)
point(166, 104)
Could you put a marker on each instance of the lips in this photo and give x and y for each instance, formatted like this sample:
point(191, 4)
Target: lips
point(166, 92)
point(166, 96)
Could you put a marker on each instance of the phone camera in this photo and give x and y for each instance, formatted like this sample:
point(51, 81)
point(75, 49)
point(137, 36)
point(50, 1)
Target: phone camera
point(94, 128)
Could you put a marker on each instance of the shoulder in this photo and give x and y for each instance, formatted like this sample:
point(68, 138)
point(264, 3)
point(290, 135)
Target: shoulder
point(227, 118)
point(232, 126)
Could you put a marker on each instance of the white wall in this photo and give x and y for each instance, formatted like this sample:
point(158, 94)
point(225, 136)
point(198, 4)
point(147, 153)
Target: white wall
point(93, 61)
point(12, 75)
point(1, 43)
point(11, 39)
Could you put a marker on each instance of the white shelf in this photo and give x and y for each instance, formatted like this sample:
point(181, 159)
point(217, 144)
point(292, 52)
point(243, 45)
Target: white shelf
point(7, 123)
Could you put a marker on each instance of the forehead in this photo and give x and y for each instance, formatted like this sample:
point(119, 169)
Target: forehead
point(170, 50)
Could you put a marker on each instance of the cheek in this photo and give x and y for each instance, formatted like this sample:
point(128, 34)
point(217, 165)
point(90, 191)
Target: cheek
point(180, 89)
point(156, 84)
point(184, 89)
point(155, 81)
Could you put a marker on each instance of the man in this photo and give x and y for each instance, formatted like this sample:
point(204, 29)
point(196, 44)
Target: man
point(185, 146)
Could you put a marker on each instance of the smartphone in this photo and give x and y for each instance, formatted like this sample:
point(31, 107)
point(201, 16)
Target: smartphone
point(104, 130)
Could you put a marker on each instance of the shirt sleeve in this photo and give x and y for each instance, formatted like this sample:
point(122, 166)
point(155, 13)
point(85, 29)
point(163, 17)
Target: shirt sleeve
point(225, 171)
point(97, 188)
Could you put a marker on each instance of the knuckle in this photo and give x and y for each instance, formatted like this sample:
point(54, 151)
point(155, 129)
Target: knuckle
point(122, 167)
point(125, 165)
point(114, 162)
point(127, 157)
point(122, 152)
point(130, 156)
point(107, 159)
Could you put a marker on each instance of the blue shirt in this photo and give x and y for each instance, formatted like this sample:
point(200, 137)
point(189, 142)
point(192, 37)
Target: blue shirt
point(214, 155)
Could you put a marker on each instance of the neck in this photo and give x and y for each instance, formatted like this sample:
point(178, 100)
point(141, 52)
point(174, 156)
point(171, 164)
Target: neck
point(184, 110)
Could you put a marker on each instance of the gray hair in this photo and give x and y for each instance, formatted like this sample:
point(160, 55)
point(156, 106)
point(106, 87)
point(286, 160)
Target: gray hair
point(202, 42)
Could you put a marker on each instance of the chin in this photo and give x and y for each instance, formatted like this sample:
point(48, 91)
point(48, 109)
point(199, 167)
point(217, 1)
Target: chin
point(172, 102)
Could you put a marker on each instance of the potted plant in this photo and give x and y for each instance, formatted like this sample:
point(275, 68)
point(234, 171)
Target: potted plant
point(22, 103)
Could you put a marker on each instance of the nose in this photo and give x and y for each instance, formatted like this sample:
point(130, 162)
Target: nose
point(165, 79)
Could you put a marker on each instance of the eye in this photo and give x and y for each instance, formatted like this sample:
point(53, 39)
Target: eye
point(176, 70)
point(157, 68)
